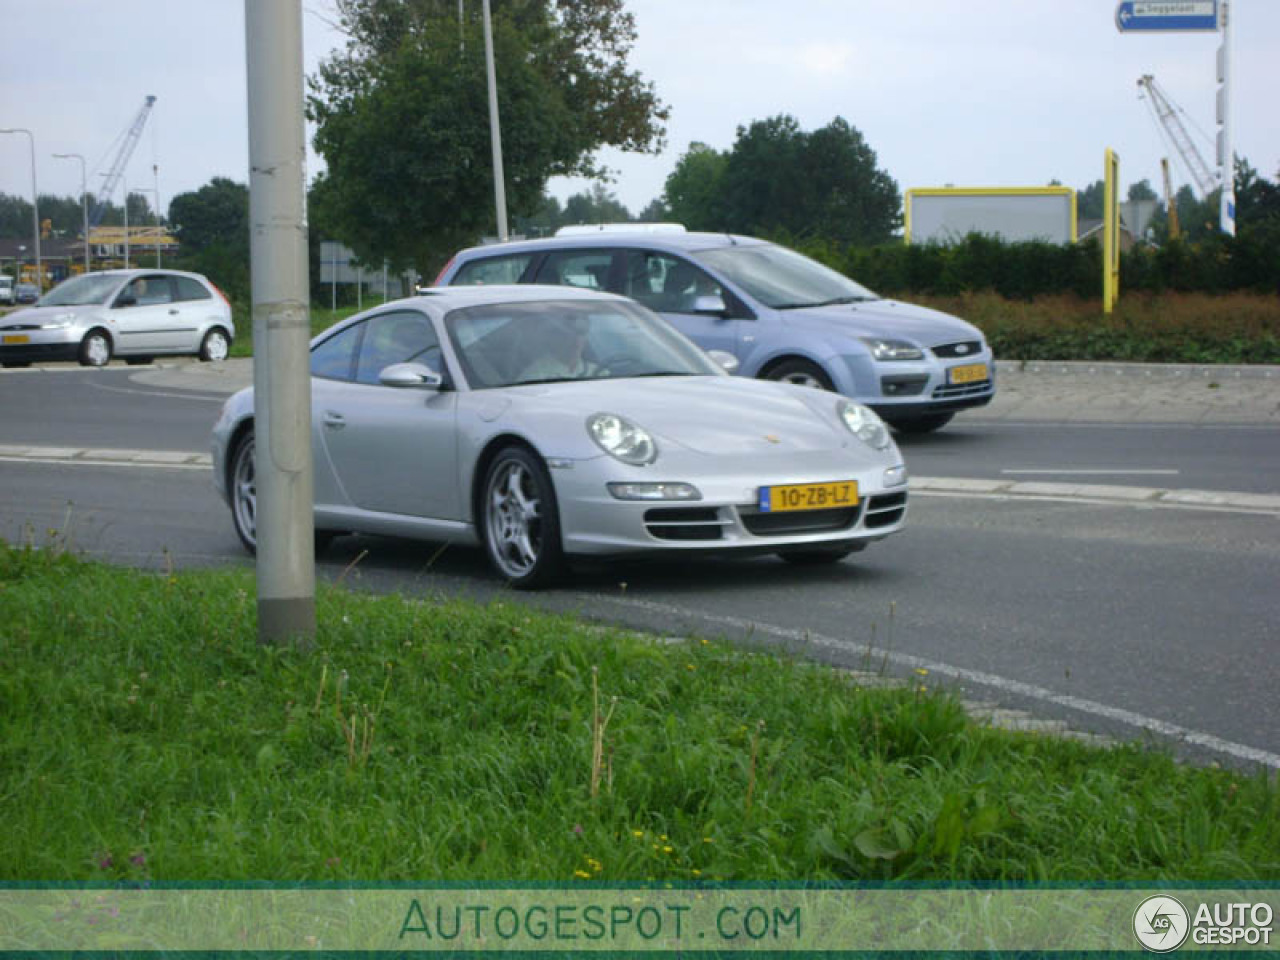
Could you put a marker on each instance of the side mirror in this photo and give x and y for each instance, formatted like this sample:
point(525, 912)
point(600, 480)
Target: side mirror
point(125, 300)
point(725, 359)
point(710, 303)
point(411, 376)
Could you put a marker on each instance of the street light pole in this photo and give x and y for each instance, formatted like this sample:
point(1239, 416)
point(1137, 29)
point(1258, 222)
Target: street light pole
point(84, 201)
point(495, 132)
point(35, 201)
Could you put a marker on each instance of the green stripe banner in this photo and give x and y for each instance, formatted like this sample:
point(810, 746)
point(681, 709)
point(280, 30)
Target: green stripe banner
point(640, 919)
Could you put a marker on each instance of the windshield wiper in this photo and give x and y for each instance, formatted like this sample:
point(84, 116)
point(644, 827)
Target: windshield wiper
point(824, 303)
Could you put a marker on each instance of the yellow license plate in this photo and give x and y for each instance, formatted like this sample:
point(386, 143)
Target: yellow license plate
point(17, 338)
point(809, 496)
point(970, 373)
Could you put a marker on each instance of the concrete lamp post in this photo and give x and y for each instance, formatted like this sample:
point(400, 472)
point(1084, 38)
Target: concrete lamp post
point(84, 201)
point(35, 200)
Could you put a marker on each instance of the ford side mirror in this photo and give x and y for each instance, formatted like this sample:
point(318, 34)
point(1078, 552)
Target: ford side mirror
point(711, 304)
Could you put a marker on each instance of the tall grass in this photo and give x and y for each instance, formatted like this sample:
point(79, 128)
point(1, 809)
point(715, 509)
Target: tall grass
point(146, 735)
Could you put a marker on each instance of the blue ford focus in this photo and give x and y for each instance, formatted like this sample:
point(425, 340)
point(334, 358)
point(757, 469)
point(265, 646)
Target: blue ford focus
point(782, 315)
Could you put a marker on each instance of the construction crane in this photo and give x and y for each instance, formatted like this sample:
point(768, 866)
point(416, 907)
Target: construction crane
point(1170, 203)
point(1167, 117)
point(131, 137)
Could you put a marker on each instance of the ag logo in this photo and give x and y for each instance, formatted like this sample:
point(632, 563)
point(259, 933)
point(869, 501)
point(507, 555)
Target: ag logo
point(1161, 923)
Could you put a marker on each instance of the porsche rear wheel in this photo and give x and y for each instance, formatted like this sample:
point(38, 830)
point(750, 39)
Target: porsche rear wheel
point(521, 520)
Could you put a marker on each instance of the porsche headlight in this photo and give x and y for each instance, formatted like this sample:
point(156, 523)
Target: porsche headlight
point(864, 424)
point(622, 439)
point(883, 349)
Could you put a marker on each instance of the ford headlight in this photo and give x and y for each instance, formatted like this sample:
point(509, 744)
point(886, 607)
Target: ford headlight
point(864, 424)
point(883, 349)
point(622, 439)
point(60, 322)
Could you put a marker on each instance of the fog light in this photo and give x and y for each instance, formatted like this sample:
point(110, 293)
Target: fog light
point(895, 476)
point(654, 491)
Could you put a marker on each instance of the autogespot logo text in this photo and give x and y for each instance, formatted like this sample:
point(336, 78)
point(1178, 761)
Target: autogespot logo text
point(1161, 923)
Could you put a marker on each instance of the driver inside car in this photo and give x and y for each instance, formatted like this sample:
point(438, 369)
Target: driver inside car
point(559, 347)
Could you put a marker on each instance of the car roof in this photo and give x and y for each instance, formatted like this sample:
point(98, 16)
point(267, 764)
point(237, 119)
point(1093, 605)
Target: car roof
point(648, 239)
point(441, 300)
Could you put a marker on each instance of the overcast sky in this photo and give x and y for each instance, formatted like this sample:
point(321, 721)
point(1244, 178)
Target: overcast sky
point(962, 92)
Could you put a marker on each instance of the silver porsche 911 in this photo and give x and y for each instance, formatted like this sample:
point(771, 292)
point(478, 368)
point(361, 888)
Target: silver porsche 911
point(548, 423)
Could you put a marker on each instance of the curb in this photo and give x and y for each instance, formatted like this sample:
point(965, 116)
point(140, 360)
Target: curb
point(925, 486)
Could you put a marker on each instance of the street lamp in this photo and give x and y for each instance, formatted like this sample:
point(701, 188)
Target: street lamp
point(35, 204)
point(84, 201)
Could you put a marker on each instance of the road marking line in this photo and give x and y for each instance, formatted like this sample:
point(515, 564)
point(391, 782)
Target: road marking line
point(1032, 691)
point(161, 393)
point(1097, 473)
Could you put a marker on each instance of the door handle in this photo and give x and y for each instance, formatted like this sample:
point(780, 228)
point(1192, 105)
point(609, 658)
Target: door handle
point(173, 311)
point(334, 421)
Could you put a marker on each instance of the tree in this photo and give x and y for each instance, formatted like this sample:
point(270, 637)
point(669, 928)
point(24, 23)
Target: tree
point(216, 213)
point(598, 206)
point(778, 178)
point(693, 192)
point(1141, 191)
point(212, 224)
point(401, 116)
point(1089, 201)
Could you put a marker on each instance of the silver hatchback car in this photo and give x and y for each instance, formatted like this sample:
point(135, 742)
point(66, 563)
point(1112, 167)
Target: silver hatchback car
point(132, 314)
point(785, 317)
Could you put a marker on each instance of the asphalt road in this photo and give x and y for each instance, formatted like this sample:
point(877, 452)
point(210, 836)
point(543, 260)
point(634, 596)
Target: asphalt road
point(1117, 617)
point(63, 406)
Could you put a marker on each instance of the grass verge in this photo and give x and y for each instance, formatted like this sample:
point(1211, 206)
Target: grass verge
point(145, 735)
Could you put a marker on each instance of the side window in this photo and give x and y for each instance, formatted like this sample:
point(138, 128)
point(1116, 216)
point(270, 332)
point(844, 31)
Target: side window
point(665, 283)
point(492, 270)
point(577, 268)
point(149, 291)
point(334, 358)
point(397, 338)
point(187, 289)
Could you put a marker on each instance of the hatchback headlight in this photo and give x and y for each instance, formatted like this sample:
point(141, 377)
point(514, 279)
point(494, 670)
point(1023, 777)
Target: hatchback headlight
point(622, 439)
point(864, 424)
point(60, 322)
point(883, 349)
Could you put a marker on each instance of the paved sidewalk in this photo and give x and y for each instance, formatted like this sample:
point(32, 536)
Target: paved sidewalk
point(1071, 392)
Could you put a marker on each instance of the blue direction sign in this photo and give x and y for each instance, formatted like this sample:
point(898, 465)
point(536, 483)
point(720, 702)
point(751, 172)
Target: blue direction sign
point(1167, 15)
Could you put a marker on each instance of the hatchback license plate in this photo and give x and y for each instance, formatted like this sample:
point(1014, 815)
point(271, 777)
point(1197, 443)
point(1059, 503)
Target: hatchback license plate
point(809, 496)
point(970, 373)
point(17, 338)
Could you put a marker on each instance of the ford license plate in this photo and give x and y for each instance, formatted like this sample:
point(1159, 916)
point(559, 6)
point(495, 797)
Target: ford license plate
point(969, 373)
point(16, 338)
point(809, 496)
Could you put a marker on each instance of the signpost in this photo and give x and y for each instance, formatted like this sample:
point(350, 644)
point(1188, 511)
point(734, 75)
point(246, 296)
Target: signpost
point(1150, 16)
point(1167, 15)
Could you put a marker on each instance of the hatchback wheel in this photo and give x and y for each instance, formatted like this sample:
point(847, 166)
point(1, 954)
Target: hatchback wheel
point(521, 520)
point(95, 349)
point(214, 346)
point(802, 373)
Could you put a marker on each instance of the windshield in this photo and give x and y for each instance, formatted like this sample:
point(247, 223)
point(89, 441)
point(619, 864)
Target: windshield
point(81, 291)
point(547, 341)
point(781, 278)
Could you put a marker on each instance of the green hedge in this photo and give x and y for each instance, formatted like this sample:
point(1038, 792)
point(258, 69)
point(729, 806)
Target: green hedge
point(1022, 271)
